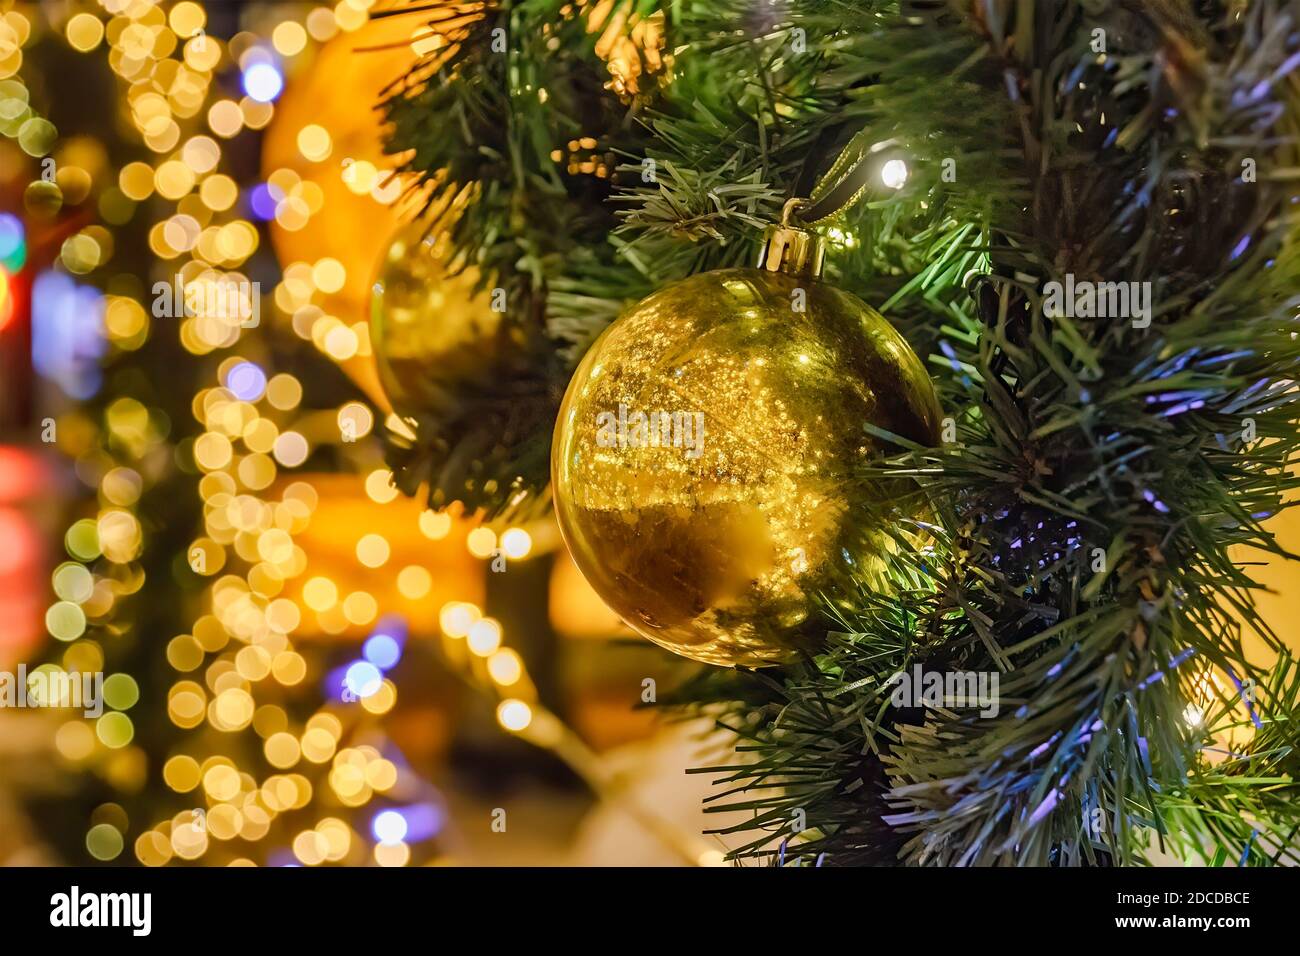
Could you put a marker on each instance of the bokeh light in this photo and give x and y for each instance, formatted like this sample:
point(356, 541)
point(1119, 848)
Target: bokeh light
point(262, 81)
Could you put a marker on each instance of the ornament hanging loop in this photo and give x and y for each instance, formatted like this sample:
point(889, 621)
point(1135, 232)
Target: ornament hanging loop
point(797, 250)
point(791, 250)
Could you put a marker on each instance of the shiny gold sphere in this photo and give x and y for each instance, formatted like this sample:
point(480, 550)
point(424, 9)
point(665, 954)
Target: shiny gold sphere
point(431, 332)
point(703, 450)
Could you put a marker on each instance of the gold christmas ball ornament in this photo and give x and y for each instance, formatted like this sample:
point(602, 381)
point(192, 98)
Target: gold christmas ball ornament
point(431, 331)
point(703, 453)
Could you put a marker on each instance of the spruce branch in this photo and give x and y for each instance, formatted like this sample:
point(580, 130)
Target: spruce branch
point(1077, 531)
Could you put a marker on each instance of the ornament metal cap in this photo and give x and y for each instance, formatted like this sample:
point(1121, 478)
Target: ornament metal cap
point(788, 249)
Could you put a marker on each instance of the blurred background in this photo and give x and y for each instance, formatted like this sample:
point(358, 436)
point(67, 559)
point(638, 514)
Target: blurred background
point(300, 665)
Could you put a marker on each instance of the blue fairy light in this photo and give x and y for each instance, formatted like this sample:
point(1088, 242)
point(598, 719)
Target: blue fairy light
point(246, 381)
point(363, 679)
point(263, 82)
point(382, 650)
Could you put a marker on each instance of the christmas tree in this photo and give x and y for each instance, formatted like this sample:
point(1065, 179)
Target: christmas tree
point(1012, 627)
point(225, 639)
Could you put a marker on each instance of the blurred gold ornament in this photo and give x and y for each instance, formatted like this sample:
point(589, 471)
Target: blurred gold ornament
point(703, 454)
point(432, 332)
point(345, 517)
point(342, 206)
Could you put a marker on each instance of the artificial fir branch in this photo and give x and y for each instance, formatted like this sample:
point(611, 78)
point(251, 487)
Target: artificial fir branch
point(1078, 526)
point(1102, 718)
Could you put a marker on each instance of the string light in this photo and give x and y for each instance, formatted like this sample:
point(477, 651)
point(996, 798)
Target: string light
point(514, 715)
point(516, 543)
point(484, 637)
point(389, 826)
point(894, 174)
point(262, 81)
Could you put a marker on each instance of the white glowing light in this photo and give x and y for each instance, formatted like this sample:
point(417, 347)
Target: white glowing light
point(894, 174)
point(389, 827)
point(263, 82)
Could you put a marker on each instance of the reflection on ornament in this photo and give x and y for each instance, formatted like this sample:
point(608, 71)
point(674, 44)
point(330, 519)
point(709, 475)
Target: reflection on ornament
point(703, 452)
point(431, 332)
